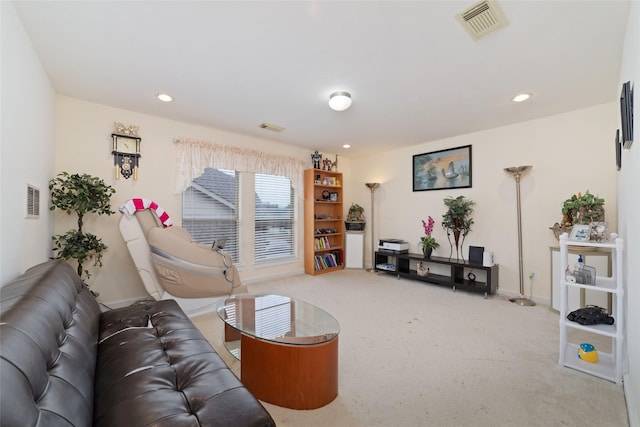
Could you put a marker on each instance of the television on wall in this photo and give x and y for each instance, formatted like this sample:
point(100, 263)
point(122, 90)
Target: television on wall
point(626, 114)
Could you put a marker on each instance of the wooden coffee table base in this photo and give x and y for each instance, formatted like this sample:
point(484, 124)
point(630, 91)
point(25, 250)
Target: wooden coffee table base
point(291, 376)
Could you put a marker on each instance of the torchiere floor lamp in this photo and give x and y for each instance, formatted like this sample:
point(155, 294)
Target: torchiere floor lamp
point(517, 171)
point(372, 186)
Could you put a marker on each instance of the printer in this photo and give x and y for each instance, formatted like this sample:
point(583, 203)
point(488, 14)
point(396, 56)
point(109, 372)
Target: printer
point(393, 245)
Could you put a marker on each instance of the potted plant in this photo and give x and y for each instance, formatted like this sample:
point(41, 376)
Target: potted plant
point(456, 220)
point(579, 209)
point(428, 242)
point(80, 194)
point(355, 218)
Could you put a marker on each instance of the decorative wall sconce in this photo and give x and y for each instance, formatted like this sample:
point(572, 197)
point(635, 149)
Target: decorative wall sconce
point(126, 150)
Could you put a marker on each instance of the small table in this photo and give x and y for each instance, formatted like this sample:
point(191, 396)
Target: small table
point(288, 349)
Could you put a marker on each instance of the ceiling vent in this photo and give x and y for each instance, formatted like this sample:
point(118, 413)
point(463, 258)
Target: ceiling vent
point(482, 19)
point(271, 127)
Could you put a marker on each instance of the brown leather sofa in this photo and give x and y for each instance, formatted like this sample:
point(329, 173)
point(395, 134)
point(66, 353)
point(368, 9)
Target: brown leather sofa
point(64, 363)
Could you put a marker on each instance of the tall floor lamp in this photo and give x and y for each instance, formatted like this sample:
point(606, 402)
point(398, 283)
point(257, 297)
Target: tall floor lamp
point(517, 172)
point(372, 186)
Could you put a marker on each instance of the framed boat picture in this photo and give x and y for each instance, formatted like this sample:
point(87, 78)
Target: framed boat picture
point(442, 169)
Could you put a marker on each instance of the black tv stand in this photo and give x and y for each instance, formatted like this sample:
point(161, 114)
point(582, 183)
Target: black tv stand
point(458, 275)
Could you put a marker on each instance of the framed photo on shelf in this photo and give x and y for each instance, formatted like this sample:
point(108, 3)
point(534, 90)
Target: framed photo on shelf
point(329, 180)
point(598, 231)
point(580, 233)
point(333, 196)
point(442, 169)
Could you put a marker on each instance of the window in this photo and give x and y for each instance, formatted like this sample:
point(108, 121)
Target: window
point(210, 209)
point(274, 219)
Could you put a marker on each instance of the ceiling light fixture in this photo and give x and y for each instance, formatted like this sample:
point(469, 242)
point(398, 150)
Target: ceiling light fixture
point(346, 146)
point(164, 97)
point(521, 97)
point(340, 101)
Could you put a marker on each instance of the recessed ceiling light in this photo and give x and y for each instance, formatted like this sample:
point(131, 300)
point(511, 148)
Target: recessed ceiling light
point(346, 146)
point(521, 97)
point(164, 97)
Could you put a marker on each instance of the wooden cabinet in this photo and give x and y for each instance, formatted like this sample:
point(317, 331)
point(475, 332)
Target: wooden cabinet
point(609, 365)
point(323, 222)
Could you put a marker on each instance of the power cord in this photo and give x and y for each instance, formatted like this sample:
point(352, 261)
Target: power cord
point(532, 276)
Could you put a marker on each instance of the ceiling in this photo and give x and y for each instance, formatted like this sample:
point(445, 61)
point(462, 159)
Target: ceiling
point(415, 75)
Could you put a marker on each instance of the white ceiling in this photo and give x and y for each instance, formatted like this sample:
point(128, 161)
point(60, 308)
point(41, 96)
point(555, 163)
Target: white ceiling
point(415, 75)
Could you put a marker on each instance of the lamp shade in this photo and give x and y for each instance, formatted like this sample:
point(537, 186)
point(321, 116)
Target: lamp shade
point(340, 101)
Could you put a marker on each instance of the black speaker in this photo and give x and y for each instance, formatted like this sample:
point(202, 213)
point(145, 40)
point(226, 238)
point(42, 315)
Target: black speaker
point(475, 254)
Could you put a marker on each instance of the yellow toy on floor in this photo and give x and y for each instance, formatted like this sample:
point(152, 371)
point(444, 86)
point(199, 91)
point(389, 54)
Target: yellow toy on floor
point(588, 353)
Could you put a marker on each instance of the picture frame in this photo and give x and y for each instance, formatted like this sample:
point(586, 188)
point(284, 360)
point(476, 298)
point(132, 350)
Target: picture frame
point(443, 169)
point(618, 150)
point(329, 181)
point(580, 233)
point(598, 231)
point(626, 114)
point(333, 196)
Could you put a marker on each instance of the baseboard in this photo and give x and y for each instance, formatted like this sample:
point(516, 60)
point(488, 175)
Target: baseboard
point(260, 279)
point(633, 408)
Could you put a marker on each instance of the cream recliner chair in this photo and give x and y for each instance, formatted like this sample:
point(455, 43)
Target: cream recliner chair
point(172, 266)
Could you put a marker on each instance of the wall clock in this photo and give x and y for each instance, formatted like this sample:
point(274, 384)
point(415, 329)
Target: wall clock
point(126, 155)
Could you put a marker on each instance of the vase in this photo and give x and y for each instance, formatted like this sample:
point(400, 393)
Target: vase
point(427, 252)
point(458, 242)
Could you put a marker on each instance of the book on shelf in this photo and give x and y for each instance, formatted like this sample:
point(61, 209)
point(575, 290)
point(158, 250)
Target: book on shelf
point(328, 260)
point(322, 243)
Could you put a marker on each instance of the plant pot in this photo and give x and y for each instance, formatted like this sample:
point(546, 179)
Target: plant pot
point(427, 252)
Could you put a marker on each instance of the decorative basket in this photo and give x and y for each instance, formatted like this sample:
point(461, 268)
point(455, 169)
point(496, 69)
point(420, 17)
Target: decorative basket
point(354, 225)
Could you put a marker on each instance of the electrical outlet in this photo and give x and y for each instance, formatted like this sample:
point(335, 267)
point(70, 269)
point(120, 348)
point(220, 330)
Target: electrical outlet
point(532, 275)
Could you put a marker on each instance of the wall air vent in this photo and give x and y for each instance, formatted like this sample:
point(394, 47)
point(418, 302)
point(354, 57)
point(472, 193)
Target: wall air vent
point(482, 19)
point(33, 202)
point(271, 127)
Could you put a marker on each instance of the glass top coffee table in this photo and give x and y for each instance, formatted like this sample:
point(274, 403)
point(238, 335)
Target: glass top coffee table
point(288, 349)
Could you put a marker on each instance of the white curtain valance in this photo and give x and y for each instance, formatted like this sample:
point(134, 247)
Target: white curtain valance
point(194, 156)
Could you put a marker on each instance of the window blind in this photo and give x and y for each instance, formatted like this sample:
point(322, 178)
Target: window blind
point(275, 223)
point(210, 209)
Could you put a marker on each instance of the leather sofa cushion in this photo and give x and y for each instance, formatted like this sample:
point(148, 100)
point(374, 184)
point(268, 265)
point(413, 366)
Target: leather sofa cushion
point(48, 344)
point(155, 365)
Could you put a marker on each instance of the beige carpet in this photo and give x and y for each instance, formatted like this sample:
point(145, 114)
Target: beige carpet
point(414, 354)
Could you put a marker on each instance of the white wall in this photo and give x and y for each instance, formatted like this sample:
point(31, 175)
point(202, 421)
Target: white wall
point(27, 135)
point(570, 153)
point(83, 135)
point(629, 206)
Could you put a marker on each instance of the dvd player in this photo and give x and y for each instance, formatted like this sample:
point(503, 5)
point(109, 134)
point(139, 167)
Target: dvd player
point(393, 245)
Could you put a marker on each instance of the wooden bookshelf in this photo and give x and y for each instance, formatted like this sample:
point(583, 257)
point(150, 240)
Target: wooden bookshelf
point(323, 222)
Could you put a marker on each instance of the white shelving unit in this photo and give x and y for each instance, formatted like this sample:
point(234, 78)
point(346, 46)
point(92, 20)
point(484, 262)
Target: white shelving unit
point(600, 259)
point(609, 365)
